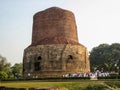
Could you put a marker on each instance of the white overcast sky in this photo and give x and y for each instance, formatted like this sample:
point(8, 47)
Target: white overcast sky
point(98, 21)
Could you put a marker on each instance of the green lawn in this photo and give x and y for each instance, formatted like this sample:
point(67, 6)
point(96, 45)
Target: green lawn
point(75, 85)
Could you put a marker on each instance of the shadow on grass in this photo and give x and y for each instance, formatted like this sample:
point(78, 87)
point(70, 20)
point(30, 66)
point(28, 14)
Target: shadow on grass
point(114, 84)
point(89, 87)
point(95, 87)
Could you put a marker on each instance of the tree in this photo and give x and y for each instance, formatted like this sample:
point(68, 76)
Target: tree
point(105, 57)
point(17, 70)
point(3, 75)
point(4, 65)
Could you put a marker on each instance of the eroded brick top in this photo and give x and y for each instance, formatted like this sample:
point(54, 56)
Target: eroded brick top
point(54, 26)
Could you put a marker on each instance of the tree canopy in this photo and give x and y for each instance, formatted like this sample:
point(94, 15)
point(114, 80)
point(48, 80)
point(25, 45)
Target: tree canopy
point(4, 65)
point(8, 71)
point(17, 69)
point(105, 57)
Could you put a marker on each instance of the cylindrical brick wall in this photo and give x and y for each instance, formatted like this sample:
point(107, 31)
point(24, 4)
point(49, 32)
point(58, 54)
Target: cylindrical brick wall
point(55, 50)
point(54, 26)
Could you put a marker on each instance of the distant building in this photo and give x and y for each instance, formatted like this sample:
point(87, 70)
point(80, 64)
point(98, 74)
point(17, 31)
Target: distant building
point(55, 50)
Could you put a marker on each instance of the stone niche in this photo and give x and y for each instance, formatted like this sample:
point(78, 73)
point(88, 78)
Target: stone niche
point(55, 50)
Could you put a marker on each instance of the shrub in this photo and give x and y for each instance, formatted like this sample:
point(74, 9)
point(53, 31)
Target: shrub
point(3, 75)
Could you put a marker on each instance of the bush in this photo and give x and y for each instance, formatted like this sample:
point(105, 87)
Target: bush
point(3, 75)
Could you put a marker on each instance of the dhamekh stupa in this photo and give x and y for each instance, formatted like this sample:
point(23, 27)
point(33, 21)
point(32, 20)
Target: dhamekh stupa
point(55, 50)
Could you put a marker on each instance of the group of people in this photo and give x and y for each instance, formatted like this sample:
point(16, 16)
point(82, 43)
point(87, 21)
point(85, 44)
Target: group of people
point(89, 74)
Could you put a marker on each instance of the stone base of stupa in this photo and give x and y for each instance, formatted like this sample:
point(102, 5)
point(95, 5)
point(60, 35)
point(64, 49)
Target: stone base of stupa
point(55, 60)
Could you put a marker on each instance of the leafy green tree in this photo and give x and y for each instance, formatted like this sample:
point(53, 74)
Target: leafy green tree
point(3, 75)
point(17, 69)
point(105, 57)
point(4, 65)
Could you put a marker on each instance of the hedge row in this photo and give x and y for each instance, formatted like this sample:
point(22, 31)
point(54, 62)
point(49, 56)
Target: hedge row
point(61, 78)
point(48, 79)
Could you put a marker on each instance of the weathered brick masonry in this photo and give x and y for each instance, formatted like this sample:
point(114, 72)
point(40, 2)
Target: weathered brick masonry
point(55, 49)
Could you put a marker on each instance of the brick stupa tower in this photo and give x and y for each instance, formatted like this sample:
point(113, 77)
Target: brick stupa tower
point(55, 50)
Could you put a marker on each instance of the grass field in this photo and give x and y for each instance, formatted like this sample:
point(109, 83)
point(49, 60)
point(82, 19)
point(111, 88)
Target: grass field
point(67, 85)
